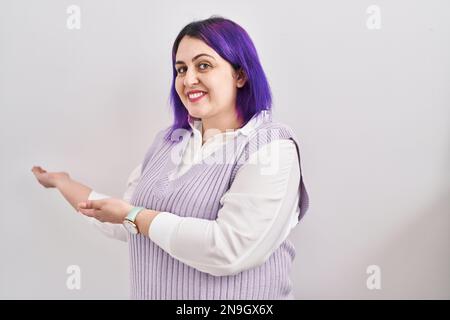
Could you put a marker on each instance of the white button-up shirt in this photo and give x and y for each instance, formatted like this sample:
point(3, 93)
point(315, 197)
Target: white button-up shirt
point(259, 210)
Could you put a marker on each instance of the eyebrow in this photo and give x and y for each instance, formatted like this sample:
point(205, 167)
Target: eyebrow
point(196, 57)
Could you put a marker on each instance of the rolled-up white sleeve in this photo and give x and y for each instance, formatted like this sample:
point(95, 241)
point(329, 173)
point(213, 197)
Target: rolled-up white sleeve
point(114, 230)
point(259, 210)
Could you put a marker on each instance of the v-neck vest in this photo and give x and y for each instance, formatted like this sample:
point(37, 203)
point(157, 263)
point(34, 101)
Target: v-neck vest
point(154, 274)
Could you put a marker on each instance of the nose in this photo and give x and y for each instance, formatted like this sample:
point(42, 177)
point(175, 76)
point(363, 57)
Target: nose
point(190, 78)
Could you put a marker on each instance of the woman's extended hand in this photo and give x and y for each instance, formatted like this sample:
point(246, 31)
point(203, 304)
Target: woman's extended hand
point(49, 179)
point(106, 210)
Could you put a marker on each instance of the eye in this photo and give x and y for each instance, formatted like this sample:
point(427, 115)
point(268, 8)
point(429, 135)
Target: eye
point(179, 70)
point(204, 64)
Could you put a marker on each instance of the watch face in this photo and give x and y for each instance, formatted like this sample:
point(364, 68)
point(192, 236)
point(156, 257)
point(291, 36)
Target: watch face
point(130, 226)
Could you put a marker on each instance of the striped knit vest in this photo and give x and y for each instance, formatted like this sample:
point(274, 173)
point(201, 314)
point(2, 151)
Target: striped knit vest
point(154, 274)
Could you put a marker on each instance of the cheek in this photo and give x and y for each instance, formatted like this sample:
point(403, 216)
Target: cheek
point(179, 88)
point(223, 91)
point(223, 84)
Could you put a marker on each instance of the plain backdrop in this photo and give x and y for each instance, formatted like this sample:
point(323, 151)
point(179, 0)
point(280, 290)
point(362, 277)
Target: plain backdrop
point(370, 107)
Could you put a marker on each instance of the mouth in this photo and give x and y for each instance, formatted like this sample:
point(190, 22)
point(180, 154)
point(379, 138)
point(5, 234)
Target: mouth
point(194, 97)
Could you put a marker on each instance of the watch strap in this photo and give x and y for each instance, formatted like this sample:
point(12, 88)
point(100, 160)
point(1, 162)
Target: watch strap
point(133, 213)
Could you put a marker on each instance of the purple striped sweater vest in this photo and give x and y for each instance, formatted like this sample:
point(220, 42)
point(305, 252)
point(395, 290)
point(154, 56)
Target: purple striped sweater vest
point(154, 274)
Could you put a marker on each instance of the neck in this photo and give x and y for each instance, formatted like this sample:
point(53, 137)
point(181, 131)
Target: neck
point(219, 124)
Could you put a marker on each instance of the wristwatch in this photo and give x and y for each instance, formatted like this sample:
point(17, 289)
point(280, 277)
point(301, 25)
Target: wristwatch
point(128, 223)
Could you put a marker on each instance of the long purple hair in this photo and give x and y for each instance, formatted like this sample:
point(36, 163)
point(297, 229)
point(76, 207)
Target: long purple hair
point(234, 45)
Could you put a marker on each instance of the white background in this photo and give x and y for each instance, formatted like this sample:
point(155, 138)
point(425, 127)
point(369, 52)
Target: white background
point(370, 107)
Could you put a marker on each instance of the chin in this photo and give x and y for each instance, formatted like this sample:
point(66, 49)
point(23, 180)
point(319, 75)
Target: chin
point(197, 112)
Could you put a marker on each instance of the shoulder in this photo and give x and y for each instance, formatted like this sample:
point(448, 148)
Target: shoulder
point(171, 134)
point(157, 143)
point(269, 132)
point(272, 138)
point(272, 130)
point(274, 124)
point(164, 133)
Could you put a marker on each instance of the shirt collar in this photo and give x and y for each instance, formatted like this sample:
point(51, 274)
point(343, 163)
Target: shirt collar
point(249, 127)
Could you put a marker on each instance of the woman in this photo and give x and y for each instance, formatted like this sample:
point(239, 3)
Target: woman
point(208, 212)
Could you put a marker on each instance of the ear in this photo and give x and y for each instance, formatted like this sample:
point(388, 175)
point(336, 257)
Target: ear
point(241, 78)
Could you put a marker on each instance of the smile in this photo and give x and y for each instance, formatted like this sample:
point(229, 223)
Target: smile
point(196, 96)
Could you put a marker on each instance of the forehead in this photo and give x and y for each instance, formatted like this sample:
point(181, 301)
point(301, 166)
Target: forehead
point(189, 47)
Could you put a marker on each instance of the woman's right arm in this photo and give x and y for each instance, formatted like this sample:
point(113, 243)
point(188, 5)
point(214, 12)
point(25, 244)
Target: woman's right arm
point(73, 191)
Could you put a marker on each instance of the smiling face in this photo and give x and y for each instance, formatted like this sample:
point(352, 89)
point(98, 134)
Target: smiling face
point(200, 68)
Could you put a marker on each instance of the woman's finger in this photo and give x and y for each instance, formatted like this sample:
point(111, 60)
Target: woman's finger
point(93, 204)
point(88, 212)
point(86, 205)
point(37, 170)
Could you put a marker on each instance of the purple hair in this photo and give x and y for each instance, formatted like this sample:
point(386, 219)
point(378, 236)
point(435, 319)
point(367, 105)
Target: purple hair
point(234, 45)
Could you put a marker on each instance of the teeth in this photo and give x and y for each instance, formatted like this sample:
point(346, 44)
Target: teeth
point(196, 95)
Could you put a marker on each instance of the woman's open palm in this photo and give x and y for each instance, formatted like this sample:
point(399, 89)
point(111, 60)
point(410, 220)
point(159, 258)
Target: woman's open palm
point(48, 179)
